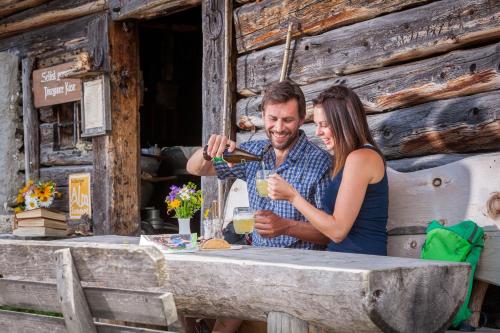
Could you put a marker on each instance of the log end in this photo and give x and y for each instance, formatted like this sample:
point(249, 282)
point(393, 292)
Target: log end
point(430, 307)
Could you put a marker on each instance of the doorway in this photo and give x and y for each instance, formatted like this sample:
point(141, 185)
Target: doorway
point(170, 112)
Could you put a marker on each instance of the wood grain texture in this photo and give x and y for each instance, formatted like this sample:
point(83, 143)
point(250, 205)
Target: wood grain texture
point(147, 9)
point(420, 32)
point(116, 175)
point(74, 306)
point(488, 270)
point(263, 23)
point(222, 283)
point(53, 12)
point(18, 322)
point(459, 125)
point(60, 174)
point(30, 125)
point(218, 90)
point(58, 38)
point(8, 7)
point(458, 73)
point(116, 304)
point(278, 322)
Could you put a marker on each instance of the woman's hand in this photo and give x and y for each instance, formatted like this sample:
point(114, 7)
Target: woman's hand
point(280, 189)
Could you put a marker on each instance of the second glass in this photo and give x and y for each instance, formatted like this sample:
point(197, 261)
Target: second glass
point(243, 220)
point(261, 182)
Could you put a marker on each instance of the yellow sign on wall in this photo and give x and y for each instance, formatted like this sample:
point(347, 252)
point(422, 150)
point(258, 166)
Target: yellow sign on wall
point(79, 195)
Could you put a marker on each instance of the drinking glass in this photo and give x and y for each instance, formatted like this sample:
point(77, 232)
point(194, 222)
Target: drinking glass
point(261, 182)
point(243, 220)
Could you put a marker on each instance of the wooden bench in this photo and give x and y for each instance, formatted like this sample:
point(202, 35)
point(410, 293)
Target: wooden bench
point(465, 189)
point(87, 283)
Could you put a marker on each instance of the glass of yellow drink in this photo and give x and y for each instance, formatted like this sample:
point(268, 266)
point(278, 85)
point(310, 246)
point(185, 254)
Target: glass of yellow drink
point(243, 220)
point(261, 182)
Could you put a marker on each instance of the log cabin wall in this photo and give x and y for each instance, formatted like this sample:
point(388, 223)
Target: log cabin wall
point(426, 71)
point(44, 34)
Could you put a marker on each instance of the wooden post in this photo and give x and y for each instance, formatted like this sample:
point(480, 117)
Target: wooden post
point(116, 178)
point(476, 301)
point(30, 125)
point(280, 322)
point(74, 305)
point(218, 85)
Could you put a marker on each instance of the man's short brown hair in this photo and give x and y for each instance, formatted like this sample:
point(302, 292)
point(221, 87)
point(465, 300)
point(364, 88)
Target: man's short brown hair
point(282, 92)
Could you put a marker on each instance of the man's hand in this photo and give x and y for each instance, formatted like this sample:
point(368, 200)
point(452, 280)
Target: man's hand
point(217, 144)
point(269, 224)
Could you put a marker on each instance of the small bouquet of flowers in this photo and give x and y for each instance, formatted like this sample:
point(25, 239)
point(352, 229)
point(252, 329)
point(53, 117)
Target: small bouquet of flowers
point(35, 195)
point(184, 201)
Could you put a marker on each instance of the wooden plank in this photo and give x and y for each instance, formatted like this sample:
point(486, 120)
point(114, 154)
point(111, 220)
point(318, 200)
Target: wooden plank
point(132, 267)
point(488, 270)
point(59, 174)
point(116, 304)
point(425, 162)
point(17, 322)
point(217, 78)
point(57, 38)
point(420, 32)
point(116, 156)
point(9, 7)
point(449, 193)
point(30, 122)
point(51, 157)
point(147, 9)
point(281, 322)
point(74, 306)
point(459, 125)
point(263, 23)
point(54, 12)
point(458, 73)
point(476, 302)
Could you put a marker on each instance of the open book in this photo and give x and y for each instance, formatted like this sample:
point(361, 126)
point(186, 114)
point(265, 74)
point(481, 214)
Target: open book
point(171, 243)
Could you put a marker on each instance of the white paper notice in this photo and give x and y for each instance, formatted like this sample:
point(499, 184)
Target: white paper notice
point(93, 103)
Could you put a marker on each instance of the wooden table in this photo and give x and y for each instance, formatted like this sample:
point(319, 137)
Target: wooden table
point(344, 292)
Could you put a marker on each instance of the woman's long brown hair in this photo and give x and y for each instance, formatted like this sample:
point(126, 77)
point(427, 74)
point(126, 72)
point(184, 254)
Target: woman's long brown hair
point(346, 117)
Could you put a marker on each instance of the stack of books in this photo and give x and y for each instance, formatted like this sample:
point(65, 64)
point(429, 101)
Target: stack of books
point(41, 222)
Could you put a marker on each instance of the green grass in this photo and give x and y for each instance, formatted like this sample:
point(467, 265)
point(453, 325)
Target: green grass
point(38, 312)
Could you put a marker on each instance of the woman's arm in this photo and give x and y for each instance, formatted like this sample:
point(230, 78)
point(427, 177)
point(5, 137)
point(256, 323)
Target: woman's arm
point(362, 167)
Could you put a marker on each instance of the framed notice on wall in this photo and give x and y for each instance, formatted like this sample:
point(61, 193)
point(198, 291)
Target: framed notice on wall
point(96, 107)
point(50, 85)
point(79, 196)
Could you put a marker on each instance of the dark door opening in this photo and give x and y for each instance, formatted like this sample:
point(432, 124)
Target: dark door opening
point(170, 114)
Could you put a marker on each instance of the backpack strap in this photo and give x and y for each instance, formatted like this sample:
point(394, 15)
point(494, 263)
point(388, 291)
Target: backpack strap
point(471, 237)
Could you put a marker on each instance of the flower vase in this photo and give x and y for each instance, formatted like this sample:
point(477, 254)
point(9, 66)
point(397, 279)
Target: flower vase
point(184, 226)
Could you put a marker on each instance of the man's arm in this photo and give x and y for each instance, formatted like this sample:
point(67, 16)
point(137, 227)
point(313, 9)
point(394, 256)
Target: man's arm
point(269, 224)
point(198, 166)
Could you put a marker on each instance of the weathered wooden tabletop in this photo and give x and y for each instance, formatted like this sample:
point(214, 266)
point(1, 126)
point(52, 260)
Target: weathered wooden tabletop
point(344, 292)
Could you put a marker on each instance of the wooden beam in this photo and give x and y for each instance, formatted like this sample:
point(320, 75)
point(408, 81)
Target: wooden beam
point(399, 37)
point(460, 125)
point(116, 177)
point(458, 73)
point(57, 38)
point(217, 86)
point(278, 322)
point(10, 26)
point(147, 9)
point(74, 306)
point(9, 7)
point(263, 23)
point(30, 122)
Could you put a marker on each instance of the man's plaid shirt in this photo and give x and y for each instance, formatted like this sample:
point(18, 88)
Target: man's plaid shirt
point(306, 167)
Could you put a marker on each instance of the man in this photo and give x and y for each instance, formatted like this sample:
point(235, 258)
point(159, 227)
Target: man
point(293, 156)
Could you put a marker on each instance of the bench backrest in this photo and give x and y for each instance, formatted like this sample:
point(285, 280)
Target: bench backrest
point(465, 189)
point(115, 282)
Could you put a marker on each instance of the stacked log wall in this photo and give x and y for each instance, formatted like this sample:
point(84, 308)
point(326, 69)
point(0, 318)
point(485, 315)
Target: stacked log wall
point(427, 72)
point(52, 33)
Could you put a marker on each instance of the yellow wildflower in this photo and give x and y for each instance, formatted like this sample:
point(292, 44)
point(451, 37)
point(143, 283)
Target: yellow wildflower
point(18, 210)
point(20, 198)
point(175, 203)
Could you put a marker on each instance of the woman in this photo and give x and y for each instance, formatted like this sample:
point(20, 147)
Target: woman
point(355, 217)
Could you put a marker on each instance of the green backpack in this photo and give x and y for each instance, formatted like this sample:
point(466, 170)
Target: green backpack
point(462, 242)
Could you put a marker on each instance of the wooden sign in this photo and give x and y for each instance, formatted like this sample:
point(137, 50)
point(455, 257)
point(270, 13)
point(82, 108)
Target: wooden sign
point(79, 196)
point(51, 87)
